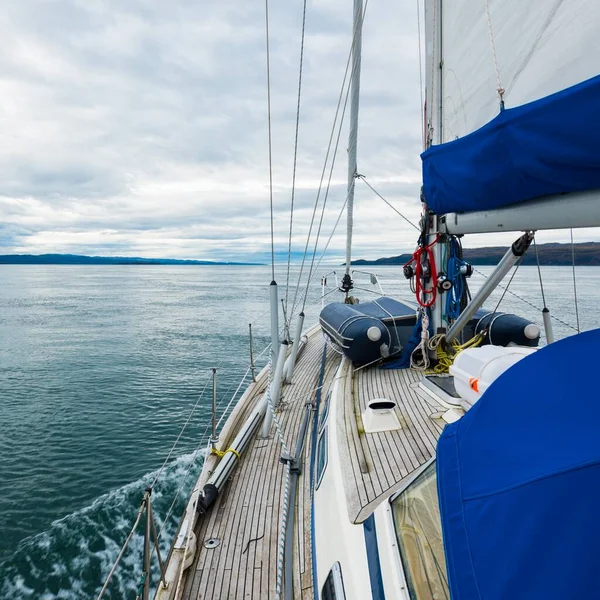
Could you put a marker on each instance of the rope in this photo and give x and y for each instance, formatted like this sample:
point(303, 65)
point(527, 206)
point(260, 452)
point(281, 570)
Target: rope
point(419, 359)
point(222, 453)
point(281, 546)
point(575, 283)
point(364, 179)
point(278, 429)
point(287, 282)
point(537, 260)
point(420, 290)
point(499, 87)
point(446, 359)
point(270, 144)
point(454, 296)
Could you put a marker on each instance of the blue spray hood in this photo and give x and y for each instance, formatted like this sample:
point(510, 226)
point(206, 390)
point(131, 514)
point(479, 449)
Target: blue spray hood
point(519, 481)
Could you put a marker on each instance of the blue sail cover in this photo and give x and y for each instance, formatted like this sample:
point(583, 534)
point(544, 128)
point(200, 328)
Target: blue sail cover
point(550, 146)
point(519, 482)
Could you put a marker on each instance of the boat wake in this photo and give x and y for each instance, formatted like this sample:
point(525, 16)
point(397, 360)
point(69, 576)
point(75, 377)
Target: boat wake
point(73, 557)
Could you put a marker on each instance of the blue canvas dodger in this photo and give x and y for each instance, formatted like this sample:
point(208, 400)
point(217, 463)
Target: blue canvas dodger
point(519, 482)
point(542, 148)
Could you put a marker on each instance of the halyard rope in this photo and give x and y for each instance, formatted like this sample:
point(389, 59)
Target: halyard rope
point(499, 87)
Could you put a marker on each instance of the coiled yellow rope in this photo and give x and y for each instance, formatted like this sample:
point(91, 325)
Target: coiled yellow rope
point(445, 359)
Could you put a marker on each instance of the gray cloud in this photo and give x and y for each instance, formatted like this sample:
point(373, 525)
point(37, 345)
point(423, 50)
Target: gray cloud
point(140, 127)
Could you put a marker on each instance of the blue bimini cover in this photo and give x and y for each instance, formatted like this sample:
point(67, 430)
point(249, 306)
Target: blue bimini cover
point(519, 482)
point(546, 147)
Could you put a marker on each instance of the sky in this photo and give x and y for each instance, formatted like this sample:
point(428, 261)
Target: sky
point(139, 128)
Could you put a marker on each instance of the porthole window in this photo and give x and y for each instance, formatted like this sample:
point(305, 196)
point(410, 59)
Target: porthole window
point(321, 455)
point(325, 412)
point(333, 588)
point(419, 531)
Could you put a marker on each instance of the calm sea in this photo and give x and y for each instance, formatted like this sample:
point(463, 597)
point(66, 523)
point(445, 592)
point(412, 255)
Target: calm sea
point(100, 367)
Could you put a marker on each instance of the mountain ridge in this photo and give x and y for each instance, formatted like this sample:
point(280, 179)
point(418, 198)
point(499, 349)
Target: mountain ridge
point(80, 259)
point(550, 254)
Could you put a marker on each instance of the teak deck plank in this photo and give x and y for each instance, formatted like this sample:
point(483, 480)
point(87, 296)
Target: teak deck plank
point(246, 517)
point(378, 463)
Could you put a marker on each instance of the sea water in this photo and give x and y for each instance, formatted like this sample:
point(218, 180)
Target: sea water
point(100, 367)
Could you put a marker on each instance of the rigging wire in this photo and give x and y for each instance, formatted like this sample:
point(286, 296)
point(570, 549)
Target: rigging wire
point(331, 136)
point(270, 143)
point(364, 179)
point(325, 198)
point(337, 222)
point(575, 283)
point(287, 281)
point(506, 288)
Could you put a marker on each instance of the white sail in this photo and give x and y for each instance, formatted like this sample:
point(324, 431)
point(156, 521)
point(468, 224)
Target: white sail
point(539, 50)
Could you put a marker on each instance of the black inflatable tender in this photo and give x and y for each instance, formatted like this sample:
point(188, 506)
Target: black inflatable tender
point(370, 331)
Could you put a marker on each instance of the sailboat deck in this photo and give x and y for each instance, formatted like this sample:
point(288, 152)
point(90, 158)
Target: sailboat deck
point(378, 464)
point(246, 517)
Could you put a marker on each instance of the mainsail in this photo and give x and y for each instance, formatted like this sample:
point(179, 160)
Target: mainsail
point(512, 101)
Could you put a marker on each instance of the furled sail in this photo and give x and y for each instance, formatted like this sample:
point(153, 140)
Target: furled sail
point(512, 101)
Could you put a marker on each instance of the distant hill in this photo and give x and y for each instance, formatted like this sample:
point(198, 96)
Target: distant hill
point(75, 259)
point(586, 254)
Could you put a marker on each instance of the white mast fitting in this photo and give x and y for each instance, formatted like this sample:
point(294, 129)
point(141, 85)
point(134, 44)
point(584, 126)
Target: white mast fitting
point(353, 137)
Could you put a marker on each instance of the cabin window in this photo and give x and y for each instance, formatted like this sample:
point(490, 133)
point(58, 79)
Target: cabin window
point(419, 531)
point(325, 412)
point(321, 455)
point(333, 588)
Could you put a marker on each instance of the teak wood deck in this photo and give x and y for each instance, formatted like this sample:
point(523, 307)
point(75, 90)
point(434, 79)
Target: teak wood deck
point(378, 464)
point(246, 517)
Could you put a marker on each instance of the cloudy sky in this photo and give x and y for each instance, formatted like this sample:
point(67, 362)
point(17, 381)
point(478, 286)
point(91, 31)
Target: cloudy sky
point(139, 127)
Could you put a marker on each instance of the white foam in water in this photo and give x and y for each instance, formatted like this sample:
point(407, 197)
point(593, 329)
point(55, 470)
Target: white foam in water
point(72, 559)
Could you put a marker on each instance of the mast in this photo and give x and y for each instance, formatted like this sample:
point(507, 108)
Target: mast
point(353, 137)
point(434, 127)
